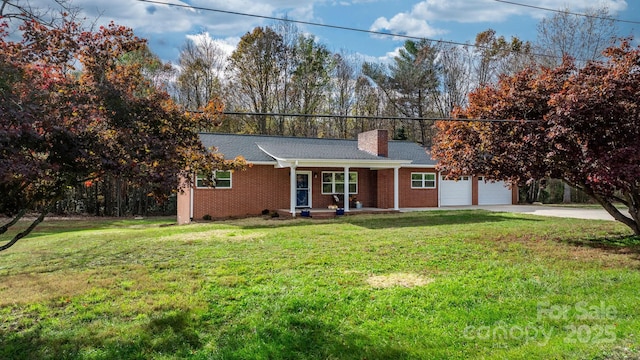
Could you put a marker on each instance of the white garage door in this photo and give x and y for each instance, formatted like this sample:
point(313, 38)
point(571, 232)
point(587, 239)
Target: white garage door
point(455, 192)
point(493, 193)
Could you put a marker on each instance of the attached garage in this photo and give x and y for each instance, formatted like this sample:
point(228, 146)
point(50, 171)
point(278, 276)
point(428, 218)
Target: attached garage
point(455, 192)
point(493, 193)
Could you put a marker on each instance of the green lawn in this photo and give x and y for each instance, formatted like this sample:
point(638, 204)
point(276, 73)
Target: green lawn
point(431, 285)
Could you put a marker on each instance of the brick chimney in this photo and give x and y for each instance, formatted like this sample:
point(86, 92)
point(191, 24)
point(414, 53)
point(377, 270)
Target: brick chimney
point(374, 142)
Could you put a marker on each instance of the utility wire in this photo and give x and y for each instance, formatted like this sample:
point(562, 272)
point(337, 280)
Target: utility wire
point(299, 22)
point(569, 12)
point(366, 117)
point(448, 42)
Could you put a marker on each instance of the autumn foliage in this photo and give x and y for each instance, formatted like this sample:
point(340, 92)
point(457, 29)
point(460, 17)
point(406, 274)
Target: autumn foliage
point(579, 125)
point(73, 110)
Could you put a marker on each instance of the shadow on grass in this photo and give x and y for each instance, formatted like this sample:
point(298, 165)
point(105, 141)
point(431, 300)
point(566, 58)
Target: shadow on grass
point(624, 244)
point(303, 336)
point(52, 226)
point(400, 220)
point(433, 218)
point(172, 333)
point(176, 334)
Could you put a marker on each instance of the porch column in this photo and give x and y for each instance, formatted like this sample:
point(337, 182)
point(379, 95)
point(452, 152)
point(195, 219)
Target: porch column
point(346, 188)
point(396, 192)
point(292, 190)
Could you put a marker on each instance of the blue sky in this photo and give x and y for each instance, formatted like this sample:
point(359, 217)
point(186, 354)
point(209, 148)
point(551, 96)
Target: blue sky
point(167, 28)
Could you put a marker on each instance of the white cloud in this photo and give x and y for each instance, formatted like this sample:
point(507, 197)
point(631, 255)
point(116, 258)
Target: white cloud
point(420, 19)
point(226, 45)
point(406, 24)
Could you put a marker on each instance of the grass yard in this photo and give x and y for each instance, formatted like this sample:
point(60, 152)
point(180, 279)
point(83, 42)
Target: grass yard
point(430, 285)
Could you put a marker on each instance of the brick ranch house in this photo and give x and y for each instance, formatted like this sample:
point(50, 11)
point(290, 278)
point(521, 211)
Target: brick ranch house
point(308, 173)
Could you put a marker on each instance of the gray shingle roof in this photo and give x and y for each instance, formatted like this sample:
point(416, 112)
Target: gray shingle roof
point(249, 146)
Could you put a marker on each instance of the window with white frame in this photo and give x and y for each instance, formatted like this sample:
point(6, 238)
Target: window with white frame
point(221, 180)
point(423, 180)
point(333, 182)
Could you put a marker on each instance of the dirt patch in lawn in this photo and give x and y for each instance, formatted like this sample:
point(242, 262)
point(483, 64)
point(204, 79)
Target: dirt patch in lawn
point(35, 287)
point(217, 235)
point(398, 279)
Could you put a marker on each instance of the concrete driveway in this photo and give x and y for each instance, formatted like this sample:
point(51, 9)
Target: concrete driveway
point(542, 210)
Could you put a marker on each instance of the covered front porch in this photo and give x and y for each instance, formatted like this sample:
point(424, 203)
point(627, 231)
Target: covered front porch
point(326, 213)
point(303, 174)
point(334, 167)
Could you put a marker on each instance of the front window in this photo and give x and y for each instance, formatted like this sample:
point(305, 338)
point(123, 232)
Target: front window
point(221, 180)
point(423, 180)
point(333, 182)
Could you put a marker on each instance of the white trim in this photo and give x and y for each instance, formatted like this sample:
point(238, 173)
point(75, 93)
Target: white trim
point(191, 203)
point(310, 175)
point(217, 187)
point(359, 163)
point(346, 188)
point(333, 182)
point(292, 191)
point(494, 192)
point(463, 186)
point(262, 162)
point(435, 182)
point(396, 189)
point(419, 166)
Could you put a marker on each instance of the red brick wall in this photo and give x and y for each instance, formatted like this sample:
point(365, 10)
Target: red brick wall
point(416, 197)
point(265, 187)
point(385, 189)
point(253, 190)
point(366, 187)
point(408, 197)
point(375, 142)
point(474, 190)
point(184, 204)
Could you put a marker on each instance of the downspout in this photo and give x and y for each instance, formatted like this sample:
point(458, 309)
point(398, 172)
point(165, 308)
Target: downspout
point(439, 174)
point(191, 203)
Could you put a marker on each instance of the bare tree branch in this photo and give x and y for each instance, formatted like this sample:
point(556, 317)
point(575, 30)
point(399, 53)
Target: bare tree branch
point(15, 219)
point(26, 232)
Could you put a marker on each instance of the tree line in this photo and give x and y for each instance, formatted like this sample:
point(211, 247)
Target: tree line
point(109, 137)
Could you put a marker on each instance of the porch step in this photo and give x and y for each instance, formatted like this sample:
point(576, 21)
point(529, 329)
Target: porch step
point(330, 214)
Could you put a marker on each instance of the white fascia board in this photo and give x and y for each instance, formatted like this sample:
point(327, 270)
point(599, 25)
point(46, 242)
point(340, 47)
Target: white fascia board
point(262, 162)
point(359, 163)
point(420, 166)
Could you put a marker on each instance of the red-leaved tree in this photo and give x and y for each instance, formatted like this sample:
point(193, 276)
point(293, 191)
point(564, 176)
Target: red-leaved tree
point(579, 125)
point(72, 110)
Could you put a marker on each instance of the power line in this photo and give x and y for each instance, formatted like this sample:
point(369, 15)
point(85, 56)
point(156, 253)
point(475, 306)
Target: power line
point(339, 27)
point(367, 117)
point(569, 12)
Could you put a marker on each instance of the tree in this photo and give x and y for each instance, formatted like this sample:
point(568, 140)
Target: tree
point(369, 101)
point(60, 127)
point(497, 56)
point(582, 37)
point(455, 78)
point(22, 10)
point(342, 94)
point(201, 68)
point(310, 80)
point(581, 126)
point(411, 84)
point(255, 67)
